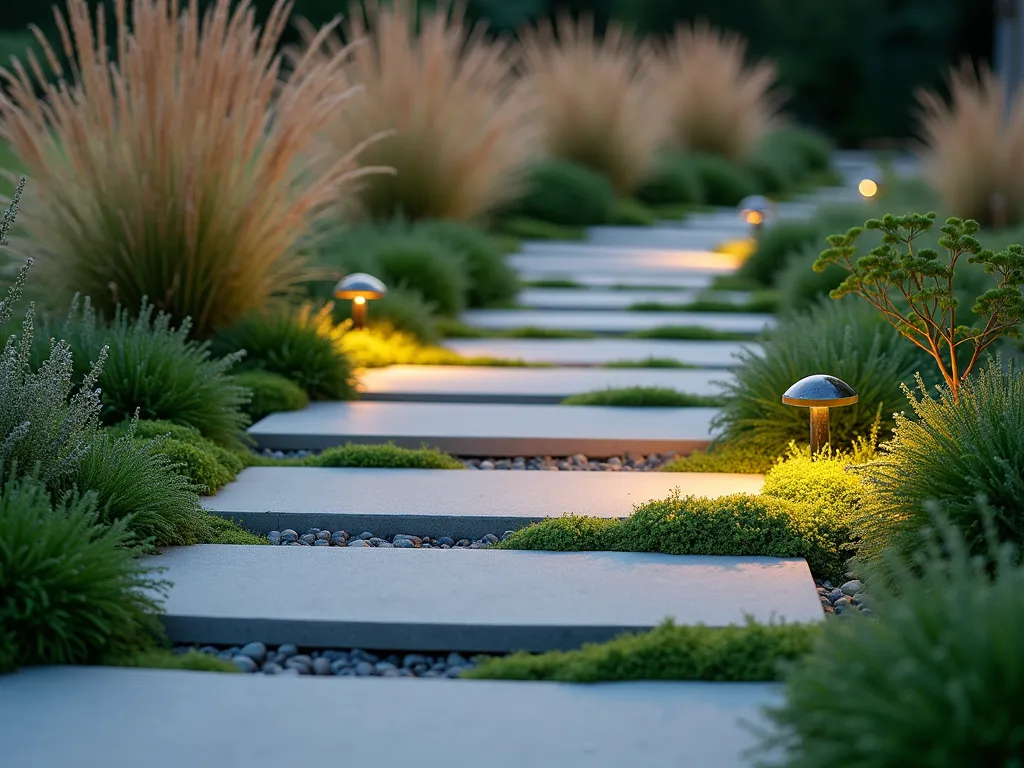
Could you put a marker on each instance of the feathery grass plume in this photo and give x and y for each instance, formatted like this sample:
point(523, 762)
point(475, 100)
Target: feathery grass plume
point(176, 164)
point(973, 146)
point(463, 125)
point(718, 105)
point(598, 103)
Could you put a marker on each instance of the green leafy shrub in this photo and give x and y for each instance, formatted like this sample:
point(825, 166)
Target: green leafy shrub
point(156, 369)
point(774, 249)
point(564, 193)
point(303, 346)
point(814, 149)
point(271, 393)
point(673, 179)
point(492, 282)
point(825, 479)
point(643, 397)
point(523, 228)
point(952, 453)
point(401, 310)
point(200, 467)
point(631, 213)
point(135, 479)
point(72, 591)
point(223, 531)
point(739, 525)
point(749, 653)
point(851, 342)
point(800, 287)
point(723, 183)
point(726, 457)
point(936, 680)
point(427, 267)
point(384, 456)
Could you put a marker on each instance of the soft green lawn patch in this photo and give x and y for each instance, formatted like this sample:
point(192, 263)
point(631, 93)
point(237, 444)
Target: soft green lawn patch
point(690, 333)
point(164, 659)
point(533, 229)
point(223, 531)
point(649, 362)
point(633, 213)
point(553, 284)
point(387, 455)
point(729, 458)
point(750, 653)
point(643, 397)
point(453, 329)
point(740, 525)
point(760, 301)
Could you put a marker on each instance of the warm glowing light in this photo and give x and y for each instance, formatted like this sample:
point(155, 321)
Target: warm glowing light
point(868, 188)
point(754, 217)
point(359, 300)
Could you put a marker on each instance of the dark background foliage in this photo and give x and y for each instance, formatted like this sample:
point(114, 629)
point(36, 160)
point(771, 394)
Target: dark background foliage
point(849, 67)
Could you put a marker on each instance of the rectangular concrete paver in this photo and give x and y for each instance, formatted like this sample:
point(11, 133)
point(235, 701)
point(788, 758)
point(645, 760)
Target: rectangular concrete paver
point(705, 354)
point(614, 322)
point(555, 298)
point(490, 430)
point(460, 503)
point(650, 265)
point(696, 235)
point(106, 717)
point(464, 599)
point(483, 384)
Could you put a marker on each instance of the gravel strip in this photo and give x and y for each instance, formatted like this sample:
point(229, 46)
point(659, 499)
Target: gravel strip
point(323, 537)
point(629, 462)
point(846, 598)
point(287, 659)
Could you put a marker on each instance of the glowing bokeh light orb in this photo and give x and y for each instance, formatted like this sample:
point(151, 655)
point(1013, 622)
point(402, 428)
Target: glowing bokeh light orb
point(867, 188)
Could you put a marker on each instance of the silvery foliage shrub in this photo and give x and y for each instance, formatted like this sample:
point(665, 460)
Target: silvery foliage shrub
point(44, 420)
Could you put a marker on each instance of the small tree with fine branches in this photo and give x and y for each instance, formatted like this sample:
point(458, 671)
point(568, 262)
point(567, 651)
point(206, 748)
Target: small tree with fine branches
point(914, 289)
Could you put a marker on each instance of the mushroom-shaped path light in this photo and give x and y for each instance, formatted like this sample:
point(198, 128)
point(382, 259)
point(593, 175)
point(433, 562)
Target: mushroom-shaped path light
point(819, 393)
point(754, 210)
point(360, 288)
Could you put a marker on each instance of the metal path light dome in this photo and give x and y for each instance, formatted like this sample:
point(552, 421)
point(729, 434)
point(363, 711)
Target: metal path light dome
point(755, 203)
point(359, 285)
point(820, 391)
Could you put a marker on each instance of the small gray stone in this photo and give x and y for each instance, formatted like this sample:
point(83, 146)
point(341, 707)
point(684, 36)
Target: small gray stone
point(245, 664)
point(307, 539)
point(359, 543)
point(255, 651)
point(339, 665)
point(486, 464)
point(322, 666)
point(490, 538)
point(338, 538)
point(291, 672)
point(272, 669)
point(324, 535)
point(462, 543)
point(453, 672)
point(446, 540)
point(614, 461)
point(288, 536)
point(456, 659)
point(419, 669)
point(313, 531)
point(413, 659)
point(835, 594)
point(385, 666)
point(286, 651)
point(404, 544)
point(364, 669)
point(376, 541)
point(477, 545)
point(334, 655)
point(321, 543)
point(852, 587)
point(506, 534)
point(416, 540)
point(841, 604)
point(274, 537)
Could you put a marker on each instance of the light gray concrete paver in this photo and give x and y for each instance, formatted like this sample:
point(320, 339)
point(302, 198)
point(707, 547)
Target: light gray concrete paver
point(569, 298)
point(614, 322)
point(490, 430)
point(104, 717)
point(706, 354)
point(459, 503)
point(464, 599)
point(480, 384)
point(695, 234)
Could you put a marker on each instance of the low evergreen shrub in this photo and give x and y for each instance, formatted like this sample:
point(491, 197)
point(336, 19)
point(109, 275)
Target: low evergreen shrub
point(749, 653)
point(160, 658)
point(688, 333)
point(561, 192)
point(950, 454)
point(776, 246)
point(724, 183)
point(631, 213)
point(400, 310)
point(428, 267)
point(271, 393)
point(934, 680)
point(673, 179)
point(72, 590)
point(492, 282)
point(301, 345)
point(800, 287)
point(730, 457)
point(387, 456)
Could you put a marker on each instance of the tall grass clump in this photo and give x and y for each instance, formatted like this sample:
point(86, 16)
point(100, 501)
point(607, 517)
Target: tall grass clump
point(302, 345)
point(973, 146)
point(598, 103)
point(851, 342)
point(949, 455)
point(463, 125)
point(718, 104)
point(935, 680)
point(156, 370)
point(176, 164)
point(72, 590)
